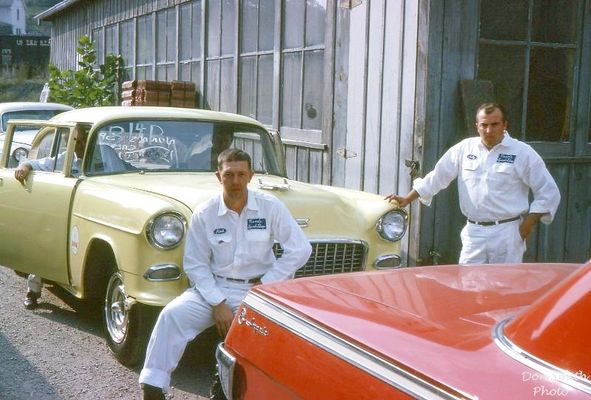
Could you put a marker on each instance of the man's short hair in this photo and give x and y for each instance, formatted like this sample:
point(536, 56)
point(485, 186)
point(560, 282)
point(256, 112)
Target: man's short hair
point(229, 155)
point(490, 108)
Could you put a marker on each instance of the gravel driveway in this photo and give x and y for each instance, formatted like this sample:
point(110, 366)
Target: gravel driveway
point(57, 352)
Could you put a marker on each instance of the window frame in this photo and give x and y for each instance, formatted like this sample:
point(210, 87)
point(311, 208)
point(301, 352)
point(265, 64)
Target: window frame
point(206, 81)
point(575, 144)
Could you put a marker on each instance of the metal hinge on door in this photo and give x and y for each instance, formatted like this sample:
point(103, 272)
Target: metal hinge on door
point(414, 166)
point(435, 256)
point(346, 153)
point(349, 4)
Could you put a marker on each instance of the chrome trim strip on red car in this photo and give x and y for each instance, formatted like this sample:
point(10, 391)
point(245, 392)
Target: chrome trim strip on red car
point(351, 353)
point(550, 371)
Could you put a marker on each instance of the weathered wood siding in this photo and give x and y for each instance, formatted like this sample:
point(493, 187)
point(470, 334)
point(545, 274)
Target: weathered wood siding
point(452, 55)
point(375, 136)
point(392, 73)
point(82, 17)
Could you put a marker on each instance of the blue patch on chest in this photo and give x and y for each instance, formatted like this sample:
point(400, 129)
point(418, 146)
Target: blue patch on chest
point(256, 223)
point(219, 231)
point(506, 158)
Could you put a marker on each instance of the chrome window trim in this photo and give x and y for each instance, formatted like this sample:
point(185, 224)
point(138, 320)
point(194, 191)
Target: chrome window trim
point(553, 373)
point(351, 353)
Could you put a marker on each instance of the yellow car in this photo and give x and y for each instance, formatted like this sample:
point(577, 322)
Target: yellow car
point(108, 222)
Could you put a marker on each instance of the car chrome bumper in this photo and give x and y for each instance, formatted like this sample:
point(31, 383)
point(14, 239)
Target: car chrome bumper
point(225, 366)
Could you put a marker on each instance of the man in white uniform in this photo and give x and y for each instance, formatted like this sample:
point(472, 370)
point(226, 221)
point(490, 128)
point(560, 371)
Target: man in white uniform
point(229, 249)
point(495, 175)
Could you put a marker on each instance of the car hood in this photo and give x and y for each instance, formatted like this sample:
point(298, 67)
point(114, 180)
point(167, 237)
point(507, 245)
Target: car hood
point(318, 205)
point(434, 319)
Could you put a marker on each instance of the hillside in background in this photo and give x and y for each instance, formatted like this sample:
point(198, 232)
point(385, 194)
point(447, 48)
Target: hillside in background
point(35, 7)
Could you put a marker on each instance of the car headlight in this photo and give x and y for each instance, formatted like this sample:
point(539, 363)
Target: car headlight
point(166, 231)
point(392, 225)
point(20, 153)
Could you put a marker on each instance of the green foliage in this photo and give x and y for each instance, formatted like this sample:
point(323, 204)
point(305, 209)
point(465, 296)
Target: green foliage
point(86, 87)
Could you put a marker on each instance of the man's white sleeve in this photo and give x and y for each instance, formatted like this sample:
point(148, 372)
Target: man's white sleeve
point(196, 262)
point(445, 171)
point(296, 247)
point(545, 191)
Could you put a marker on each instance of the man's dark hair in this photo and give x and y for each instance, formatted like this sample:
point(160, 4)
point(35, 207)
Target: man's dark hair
point(229, 155)
point(491, 107)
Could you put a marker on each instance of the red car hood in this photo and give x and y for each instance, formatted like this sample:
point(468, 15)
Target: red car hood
point(437, 321)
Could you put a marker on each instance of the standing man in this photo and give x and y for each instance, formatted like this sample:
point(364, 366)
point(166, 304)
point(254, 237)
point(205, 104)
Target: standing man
point(495, 175)
point(229, 249)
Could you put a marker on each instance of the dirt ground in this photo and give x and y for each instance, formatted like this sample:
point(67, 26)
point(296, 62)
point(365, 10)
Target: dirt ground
point(57, 352)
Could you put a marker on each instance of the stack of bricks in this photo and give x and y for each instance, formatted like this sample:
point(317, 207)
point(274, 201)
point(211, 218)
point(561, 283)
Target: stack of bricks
point(182, 94)
point(158, 93)
point(145, 93)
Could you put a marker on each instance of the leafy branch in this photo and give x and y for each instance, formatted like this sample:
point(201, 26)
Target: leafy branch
point(87, 86)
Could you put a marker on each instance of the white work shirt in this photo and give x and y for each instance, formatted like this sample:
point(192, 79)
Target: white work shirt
point(494, 185)
point(225, 243)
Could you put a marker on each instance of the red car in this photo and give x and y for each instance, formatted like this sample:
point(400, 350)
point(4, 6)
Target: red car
point(446, 332)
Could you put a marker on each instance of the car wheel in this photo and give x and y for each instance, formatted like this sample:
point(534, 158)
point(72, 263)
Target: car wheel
point(127, 328)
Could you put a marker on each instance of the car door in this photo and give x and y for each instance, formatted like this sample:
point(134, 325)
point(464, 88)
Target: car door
point(34, 216)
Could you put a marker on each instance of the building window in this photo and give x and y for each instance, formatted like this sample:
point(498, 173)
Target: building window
point(127, 48)
point(528, 49)
point(98, 42)
point(166, 45)
point(261, 58)
point(190, 42)
point(219, 64)
point(111, 42)
point(145, 47)
point(303, 63)
point(257, 41)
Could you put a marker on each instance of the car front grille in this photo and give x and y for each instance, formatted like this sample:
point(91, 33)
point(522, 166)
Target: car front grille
point(331, 258)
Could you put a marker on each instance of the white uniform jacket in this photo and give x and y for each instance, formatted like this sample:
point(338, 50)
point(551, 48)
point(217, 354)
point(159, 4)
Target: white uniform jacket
point(224, 243)
point(494, 185)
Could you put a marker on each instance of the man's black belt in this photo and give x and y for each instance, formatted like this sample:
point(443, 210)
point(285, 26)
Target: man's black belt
point(238, 280)
point(489, 223)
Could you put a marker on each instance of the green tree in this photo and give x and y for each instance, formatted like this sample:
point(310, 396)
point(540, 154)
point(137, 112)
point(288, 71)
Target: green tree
point(87, 86)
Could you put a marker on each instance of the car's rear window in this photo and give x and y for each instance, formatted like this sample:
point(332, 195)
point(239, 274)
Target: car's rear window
point(27, 114)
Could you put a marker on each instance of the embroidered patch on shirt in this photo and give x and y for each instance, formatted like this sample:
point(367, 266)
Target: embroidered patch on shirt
point(256, 223)
point(471, 157)
point(219, 231)
point(506, 158)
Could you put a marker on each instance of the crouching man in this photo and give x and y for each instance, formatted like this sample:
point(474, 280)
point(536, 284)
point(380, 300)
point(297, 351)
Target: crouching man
point(229, 249)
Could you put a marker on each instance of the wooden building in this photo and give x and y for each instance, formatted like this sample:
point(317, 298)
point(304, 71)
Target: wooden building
point(368, 94)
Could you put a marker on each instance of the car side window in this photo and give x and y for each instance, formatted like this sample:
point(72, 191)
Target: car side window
point(50, 150)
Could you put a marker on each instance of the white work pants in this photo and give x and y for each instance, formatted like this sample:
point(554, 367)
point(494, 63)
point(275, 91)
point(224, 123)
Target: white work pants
point(34, 283)
point(180, 322)
point(494, 244)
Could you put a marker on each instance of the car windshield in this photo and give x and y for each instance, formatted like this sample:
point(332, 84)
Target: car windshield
point(165, 145)
point(27, 114)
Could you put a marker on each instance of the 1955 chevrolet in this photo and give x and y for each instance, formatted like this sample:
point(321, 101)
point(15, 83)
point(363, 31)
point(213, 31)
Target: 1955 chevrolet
point(110, 224)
